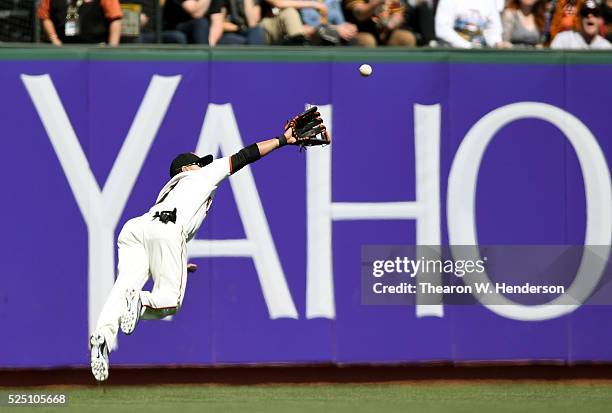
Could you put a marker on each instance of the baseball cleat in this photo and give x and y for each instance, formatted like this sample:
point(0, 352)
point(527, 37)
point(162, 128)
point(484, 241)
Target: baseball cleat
point(132, 313)
point(99, 356)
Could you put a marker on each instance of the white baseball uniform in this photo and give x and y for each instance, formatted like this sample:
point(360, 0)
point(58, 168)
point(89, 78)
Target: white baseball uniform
point(148, 246)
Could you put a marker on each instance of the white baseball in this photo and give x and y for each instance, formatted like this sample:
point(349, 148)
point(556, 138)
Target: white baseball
point(365, 70)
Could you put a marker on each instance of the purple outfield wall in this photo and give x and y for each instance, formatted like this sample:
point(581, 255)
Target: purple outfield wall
point(268, 290)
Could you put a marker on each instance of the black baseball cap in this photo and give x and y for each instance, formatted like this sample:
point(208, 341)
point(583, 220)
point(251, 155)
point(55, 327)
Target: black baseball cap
point(188, 158)
point(590, 7)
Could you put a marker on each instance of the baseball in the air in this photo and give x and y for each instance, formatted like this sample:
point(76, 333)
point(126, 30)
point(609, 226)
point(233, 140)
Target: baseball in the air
point(365, 70)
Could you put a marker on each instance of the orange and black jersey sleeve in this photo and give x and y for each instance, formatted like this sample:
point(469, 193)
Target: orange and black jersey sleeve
point(43, 9)
point(111, 9)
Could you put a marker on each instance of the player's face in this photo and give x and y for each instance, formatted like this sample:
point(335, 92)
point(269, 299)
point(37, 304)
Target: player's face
point(193, 167)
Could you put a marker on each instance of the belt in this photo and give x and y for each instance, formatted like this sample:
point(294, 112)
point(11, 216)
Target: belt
point(166, 216)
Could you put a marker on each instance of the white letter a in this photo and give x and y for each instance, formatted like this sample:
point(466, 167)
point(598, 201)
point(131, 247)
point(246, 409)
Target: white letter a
point(220, 131)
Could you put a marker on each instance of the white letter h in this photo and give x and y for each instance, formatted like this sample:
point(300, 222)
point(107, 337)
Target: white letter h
point(322, 211)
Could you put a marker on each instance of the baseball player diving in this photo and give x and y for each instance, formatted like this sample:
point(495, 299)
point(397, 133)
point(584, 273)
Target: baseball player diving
point(153, 244)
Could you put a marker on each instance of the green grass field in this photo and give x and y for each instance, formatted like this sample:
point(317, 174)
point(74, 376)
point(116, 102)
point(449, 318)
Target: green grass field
point(423, 397)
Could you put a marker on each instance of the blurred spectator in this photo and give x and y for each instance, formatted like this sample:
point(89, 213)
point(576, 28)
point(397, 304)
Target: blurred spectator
point(420, 20)
point(96, 21)
point(200, 20)
point(606, 11)
point(549, 10)
point(524, 23)
point(588, 36)
point(130, 20)
point(565, 17)
point(241, 20)
point(147, 31)
point(328, 29)
point(380, 22)
point(469, 23)
point(282, 23)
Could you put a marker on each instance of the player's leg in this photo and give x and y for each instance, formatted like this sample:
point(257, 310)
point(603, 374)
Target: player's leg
point(165, 249)
point(99, 356)
point(168, 266)
point(133, 273)
point(132, 311)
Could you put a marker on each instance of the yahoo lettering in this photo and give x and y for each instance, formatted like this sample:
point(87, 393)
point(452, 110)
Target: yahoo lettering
point(103, 207)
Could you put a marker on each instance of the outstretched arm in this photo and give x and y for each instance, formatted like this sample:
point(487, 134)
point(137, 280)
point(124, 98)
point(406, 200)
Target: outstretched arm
point(305, 129)
point(265, 147)
point(258, 150)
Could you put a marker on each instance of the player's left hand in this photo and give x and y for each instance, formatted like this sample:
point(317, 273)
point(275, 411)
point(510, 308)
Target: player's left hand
point(191, 267)
point(307, 129)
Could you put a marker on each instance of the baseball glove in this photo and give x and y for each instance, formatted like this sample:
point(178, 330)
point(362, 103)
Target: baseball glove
point(308, 129)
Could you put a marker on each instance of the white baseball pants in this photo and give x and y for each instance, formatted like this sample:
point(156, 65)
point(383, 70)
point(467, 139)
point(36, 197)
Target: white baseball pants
point(146, 247)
